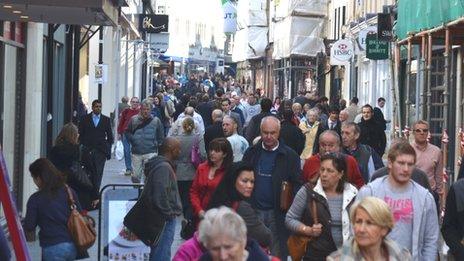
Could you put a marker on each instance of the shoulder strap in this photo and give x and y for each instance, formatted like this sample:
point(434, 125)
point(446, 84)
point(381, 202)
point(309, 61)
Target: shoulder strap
point(312, 203)
point(71, 202)
point(142, 124)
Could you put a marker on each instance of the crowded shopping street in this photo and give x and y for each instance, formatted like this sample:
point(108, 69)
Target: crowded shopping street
point(257, 130)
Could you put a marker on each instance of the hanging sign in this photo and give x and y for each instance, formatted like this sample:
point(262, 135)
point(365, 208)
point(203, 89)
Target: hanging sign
point(363, 34)
point(341, 52)
point(153, 23)
point(101, 73)
point(230, 17)
point(385, 27)
point(376, 49)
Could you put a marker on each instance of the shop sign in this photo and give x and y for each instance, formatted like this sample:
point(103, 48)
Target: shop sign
point(363, 34)
point(341, 52)
point(154, 23)
point(385, 27)
point(159, 42)
point(376, 49)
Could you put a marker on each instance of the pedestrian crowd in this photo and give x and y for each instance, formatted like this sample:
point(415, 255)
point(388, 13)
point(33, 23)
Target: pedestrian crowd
point(255, 179)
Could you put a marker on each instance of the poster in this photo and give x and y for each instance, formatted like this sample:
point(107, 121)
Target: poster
point(123, 245)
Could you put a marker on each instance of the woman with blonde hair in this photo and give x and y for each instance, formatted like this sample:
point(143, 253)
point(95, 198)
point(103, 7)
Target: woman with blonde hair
point(185, 168)
point(371, 220)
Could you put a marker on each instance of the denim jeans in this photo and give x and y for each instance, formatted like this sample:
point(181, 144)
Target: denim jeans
point(162, 251)
point(127, 152)
point(60, 252)
point(268, 219)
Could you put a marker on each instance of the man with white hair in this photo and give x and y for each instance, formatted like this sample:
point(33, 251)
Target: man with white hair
point(275, 163)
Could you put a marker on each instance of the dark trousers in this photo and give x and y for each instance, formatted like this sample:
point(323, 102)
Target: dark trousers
point(184, 188)
point(94, 160)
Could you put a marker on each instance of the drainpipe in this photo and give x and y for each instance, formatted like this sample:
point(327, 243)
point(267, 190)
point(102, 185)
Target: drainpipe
point(429, 77)
point(408, 83)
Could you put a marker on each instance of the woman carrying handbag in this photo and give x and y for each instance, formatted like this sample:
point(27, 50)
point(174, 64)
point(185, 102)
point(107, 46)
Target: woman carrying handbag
point(49, 209)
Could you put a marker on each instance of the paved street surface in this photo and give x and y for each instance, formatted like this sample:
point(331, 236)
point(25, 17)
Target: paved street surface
point(114, 174)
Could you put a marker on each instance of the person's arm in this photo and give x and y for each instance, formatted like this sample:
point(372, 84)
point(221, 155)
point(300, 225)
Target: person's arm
point(159, 179)
point(439, 176)
point(31, 219)
point(370, 167)
point(383, 140)
point(159, 132)
point(451, 229)
point(295, 213)
point(295, 172)
point(255, 228)
point(128, 132)
point(195, 194)
point(121, 121)
point(201, 147)
point(429, 246)
point(354, 174)
point(109, 132)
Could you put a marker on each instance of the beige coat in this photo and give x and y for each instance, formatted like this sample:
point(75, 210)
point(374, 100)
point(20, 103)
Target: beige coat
point(310, 134)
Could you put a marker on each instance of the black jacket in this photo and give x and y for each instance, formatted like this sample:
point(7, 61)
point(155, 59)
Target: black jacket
point(453, 222)
point(286, 168)
point(99, 138)
point(292, 136)
point(379, 118)
point(212, 132)
point(323, 245)
point(205, 109)
point(372, 134)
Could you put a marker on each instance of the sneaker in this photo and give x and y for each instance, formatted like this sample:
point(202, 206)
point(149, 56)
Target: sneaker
point(135, 179)
point(128, 173)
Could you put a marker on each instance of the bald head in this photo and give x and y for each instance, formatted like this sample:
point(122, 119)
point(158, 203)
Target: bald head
point(189, 111)
point(217, 115)
point(170, 148)
point(270, 132)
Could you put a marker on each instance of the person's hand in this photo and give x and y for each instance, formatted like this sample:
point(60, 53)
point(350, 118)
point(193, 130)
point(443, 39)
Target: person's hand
point(95, 203)
point(201, 214)
point(315, 230)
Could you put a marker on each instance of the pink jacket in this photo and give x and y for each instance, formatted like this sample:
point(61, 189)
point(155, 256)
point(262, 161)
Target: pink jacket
point(190, 250)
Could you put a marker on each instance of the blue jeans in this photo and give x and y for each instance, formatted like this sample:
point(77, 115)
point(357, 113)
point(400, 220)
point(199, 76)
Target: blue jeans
point(60, 252)
point(162, 251)
point(127, 152)
point(268, 219)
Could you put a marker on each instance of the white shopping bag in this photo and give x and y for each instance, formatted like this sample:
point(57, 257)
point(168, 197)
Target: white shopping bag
point(119, 150)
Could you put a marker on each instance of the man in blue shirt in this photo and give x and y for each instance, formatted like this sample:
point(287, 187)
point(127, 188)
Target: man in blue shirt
point(274, 163)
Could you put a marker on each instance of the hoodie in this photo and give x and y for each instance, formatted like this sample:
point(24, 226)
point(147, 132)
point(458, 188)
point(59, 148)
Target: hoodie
point(161, 186)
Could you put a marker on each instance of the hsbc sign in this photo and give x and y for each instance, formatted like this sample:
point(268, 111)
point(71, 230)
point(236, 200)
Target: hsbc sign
point(341, 52)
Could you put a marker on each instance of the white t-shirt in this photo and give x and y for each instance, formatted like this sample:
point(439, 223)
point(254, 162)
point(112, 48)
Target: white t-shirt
point(239, 145)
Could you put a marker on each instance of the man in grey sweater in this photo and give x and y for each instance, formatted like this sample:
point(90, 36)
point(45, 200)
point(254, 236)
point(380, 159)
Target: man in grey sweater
point(145, 133)
point(161, 188)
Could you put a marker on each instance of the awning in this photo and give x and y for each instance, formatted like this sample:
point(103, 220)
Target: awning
point(81, 12)
point(167, 58)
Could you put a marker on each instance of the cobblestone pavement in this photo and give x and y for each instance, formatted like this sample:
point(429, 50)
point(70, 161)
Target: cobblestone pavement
point(113, 174)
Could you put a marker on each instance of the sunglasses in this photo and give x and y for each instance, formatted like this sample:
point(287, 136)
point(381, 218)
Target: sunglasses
point(421, 130)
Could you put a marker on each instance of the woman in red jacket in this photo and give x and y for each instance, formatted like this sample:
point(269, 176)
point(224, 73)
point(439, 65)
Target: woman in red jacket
point(209, 174)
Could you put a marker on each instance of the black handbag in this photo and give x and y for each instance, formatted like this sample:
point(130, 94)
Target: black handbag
point(145, 221)
point(79, 176)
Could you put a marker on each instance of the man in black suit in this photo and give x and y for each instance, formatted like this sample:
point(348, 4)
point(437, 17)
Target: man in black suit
point(378, 114)
point(214, 130)
point(332, 123)
point(96, 138)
